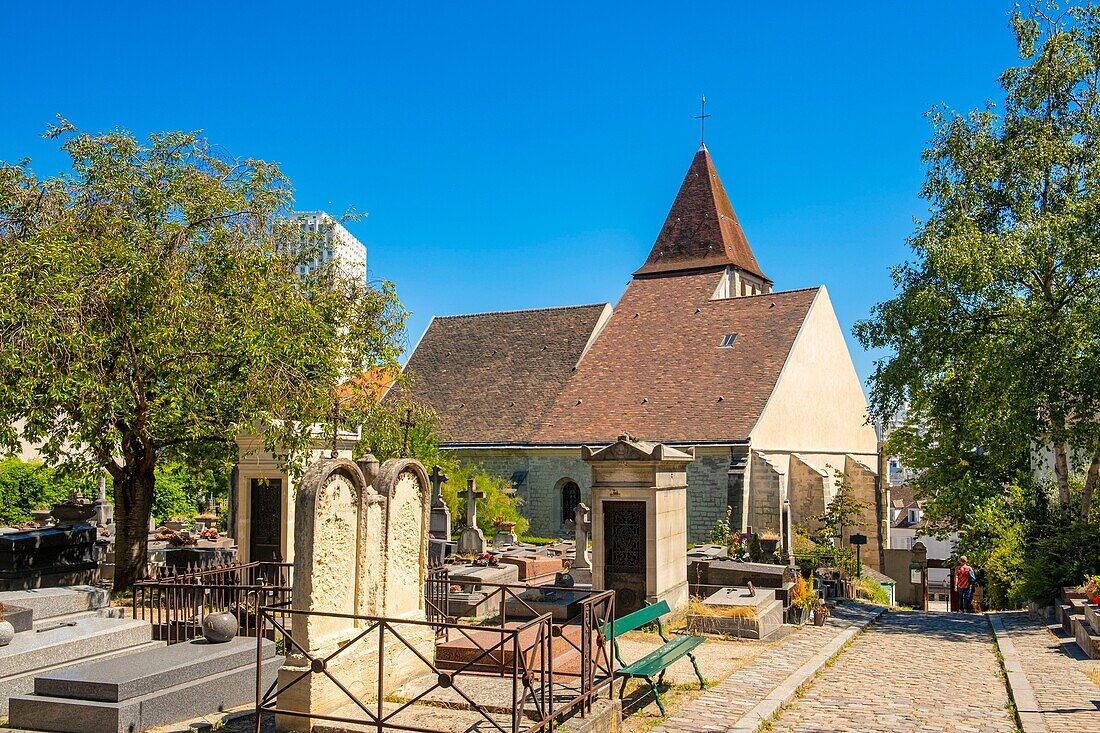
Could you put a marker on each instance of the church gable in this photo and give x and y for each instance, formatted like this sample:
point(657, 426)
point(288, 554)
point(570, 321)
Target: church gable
point(818, 403)
point(490, 376)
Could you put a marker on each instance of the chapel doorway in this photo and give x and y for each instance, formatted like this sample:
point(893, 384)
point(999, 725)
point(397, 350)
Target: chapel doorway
point(265, 536)
point(570, 498)
point(624, 532)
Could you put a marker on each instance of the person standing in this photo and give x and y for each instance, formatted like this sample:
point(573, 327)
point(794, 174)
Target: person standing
point(964, 582)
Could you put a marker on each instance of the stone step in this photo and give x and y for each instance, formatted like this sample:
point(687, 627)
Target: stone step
point(1092, 615)
point(1087, 638)
point(32, 650)
point(197, 697)
point(109, 612)
point(51, 602)
point(23, 684)
point(116, 680)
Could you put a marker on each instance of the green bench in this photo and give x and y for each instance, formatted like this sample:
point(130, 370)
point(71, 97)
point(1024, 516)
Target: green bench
point(657, 661)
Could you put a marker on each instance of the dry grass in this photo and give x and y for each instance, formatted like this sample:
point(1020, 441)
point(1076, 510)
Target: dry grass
point(698, 608)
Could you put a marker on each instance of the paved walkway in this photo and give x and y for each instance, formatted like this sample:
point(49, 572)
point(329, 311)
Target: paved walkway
point(727, 702)
point(1055, 668)
point(910, 672)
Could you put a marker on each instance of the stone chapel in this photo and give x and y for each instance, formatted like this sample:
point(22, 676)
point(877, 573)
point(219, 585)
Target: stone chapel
point(699, 352)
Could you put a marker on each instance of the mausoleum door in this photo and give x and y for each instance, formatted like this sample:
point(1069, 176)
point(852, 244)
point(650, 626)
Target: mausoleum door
point(570, 497)
point(624, 531)
point(265, 532)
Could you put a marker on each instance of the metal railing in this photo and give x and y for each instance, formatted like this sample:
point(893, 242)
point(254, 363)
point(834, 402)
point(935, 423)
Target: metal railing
point(525, 651)
point(175, 603)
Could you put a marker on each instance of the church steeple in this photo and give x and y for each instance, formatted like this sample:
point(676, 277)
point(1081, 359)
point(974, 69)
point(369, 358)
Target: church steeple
point(701, 230)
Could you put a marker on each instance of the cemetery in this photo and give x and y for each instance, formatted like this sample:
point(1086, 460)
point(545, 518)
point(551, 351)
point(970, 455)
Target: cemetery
point(493, 631)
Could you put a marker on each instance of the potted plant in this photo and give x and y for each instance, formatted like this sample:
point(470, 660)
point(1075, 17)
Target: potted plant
point(7, 631)
point(1092, 588)
point(821, 613)
point(802, 600)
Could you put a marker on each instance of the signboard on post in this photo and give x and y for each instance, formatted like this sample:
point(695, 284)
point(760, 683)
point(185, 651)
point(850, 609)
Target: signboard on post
point(859, 540)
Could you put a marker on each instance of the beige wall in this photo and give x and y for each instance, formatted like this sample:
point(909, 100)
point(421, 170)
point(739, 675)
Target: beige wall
point(818, 405)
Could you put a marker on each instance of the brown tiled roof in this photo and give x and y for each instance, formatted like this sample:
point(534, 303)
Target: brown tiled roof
point(901, 496)
point(701, 229)
point(657, 369)
point(490, 376)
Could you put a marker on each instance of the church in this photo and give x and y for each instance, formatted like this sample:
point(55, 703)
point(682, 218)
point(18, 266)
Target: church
point(700, 351)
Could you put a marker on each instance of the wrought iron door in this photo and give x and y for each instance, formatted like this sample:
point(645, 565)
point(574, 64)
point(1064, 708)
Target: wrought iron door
point(267, 521)
point(624, 528)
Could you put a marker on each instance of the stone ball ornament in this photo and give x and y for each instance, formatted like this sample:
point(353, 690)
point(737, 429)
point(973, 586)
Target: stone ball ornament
point(7, 632)
point(218, 628)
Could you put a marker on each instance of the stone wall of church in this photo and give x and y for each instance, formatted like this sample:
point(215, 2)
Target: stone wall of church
point(765, 490)
point(549, 469)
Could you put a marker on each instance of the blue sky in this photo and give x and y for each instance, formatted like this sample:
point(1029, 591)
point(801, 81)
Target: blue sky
point(518, 155)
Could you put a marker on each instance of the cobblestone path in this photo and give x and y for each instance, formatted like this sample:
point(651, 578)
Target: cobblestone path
point(1055, 667)
point(725, 703)
point(910, 672)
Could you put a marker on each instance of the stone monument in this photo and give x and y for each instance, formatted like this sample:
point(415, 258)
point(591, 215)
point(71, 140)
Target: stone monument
point(361, 544)
point(581, 570)
point(440, 525)
point(472, 539)
point(104, 510)
point(639, 522)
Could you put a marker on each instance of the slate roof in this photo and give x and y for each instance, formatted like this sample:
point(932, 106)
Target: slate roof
point(491, 376)
point(658, 371)
point(701, 229)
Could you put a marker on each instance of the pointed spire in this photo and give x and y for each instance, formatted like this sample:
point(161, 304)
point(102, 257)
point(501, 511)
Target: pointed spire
point(701, 229)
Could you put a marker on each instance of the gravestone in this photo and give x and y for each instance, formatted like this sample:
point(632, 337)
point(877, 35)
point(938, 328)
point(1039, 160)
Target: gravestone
point(472, 539)
point(440, 524)
point(360, 549)
point(639, 522)
point(104, 510)
point(49, 557)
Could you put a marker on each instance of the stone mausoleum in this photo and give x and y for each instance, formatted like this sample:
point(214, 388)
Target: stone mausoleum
point(700, 351)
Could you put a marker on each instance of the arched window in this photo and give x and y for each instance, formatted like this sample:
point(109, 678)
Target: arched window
point(570, 497)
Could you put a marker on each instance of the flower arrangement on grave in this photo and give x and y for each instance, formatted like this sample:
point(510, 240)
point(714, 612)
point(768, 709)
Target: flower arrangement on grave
point(486, 560)
point(802, 595)
point(1092, 588)
point(209, 534)
point(176, 539)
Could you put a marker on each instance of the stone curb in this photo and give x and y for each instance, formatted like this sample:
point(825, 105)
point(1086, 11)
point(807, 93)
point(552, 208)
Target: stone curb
point(752, 721)
point(1019, 689)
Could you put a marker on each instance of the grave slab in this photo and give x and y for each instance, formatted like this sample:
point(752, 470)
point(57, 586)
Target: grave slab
point(110, 681)
point(533, 566)
point(761, 575)
point(764, 614)
point(49, 602)
point(32, 650)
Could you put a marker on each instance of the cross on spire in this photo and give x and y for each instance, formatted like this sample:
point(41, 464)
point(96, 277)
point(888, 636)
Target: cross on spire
point(702, 117)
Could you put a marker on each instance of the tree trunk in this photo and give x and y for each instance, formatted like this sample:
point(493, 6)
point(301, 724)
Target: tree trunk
point(133, 507)
point(1090, 483)
point(1061, 474)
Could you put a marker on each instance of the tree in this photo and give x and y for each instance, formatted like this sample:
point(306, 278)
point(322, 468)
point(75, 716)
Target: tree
point(843, 511)
point(151, 307)
point(994, 335)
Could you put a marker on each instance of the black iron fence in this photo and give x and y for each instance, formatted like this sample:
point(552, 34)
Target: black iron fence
point(175, 603)
point(557, 670)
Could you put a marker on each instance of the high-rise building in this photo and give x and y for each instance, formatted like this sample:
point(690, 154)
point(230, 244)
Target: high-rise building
point(332, 242)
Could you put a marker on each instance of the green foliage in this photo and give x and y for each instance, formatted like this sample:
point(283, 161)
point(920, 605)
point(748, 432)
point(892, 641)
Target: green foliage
point(181, 488)
point(150, 307)
point(1063, 558)
point(873, 591)
point(843, 511)
point(810, 556)
point(756, 551)
point(720, 532)
point(26, 486)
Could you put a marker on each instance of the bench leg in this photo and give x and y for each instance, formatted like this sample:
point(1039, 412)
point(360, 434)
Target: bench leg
point(656, 694)
point(622, 690)
point(702, 682)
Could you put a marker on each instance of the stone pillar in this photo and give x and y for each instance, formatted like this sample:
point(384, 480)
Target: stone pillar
point(639, 522)
point(104, 510)
point(581, 569)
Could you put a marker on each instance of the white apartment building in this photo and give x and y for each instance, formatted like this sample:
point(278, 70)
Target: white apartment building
point(334, 242)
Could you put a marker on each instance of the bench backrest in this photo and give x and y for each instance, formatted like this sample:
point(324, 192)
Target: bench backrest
point(639, 618)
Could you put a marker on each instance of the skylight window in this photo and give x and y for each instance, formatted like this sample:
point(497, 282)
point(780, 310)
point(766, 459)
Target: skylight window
point(727, 340)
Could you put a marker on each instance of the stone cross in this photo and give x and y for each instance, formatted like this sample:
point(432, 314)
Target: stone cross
point(583, 524)
point(438, 478)
point(472, 539)
point(472, 495)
